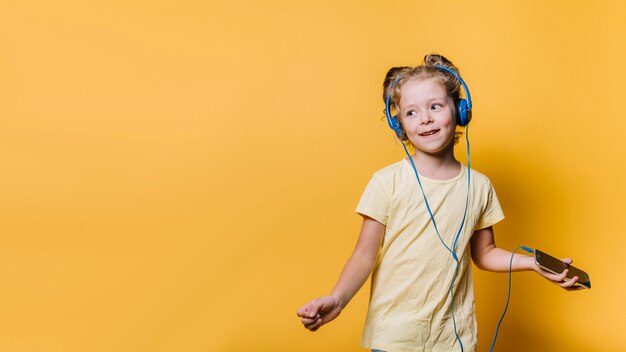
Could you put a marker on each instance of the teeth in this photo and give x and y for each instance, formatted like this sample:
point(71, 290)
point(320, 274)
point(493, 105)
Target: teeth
point(429, 133)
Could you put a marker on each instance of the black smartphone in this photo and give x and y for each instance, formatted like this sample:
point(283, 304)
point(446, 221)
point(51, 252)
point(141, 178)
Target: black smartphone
point(555, 266)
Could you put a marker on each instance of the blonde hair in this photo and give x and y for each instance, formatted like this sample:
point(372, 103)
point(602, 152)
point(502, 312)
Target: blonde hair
point(424, 71)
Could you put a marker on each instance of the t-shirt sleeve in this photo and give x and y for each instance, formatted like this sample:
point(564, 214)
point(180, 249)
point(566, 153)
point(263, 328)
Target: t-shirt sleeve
point(374, 202)
point(492, 211)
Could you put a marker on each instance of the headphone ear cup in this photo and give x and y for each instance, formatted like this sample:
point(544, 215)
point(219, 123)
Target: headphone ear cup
point(395, 126)
point(464, 115)
point(392, 121)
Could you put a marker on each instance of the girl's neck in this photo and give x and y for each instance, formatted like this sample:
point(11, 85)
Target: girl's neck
point(437, 167)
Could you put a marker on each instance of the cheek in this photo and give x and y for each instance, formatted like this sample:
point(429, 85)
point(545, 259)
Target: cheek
point(406, 123)
point(450, 121)
point(447, 123)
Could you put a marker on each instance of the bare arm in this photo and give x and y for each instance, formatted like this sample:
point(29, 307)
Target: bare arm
point(361, 263)
point(356, 271)
point(488, 257)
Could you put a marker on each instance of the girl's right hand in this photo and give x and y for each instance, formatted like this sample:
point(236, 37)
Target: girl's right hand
point(319, 312)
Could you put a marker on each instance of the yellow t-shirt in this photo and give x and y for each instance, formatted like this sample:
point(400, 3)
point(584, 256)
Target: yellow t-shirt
point(409, 308)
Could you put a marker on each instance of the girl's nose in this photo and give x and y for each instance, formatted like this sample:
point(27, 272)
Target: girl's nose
point(426, 119)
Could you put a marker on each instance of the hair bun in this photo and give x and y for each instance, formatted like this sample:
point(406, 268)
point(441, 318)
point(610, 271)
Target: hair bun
point(439, 60)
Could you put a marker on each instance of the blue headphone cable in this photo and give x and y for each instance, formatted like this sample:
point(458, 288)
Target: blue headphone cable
point(508, 295)
point(432, 218)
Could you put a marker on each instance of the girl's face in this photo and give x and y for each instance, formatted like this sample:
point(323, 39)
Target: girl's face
point(427, 115)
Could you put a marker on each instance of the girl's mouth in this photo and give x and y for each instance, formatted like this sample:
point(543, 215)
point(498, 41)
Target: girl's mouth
point(429, 133)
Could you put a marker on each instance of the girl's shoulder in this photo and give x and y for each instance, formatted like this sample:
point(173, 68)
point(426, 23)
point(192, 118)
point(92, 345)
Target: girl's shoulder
point(479, 179)
point(390, 171)
point(479, 175)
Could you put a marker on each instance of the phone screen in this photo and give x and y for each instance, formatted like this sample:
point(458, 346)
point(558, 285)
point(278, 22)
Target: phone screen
point(555, 266)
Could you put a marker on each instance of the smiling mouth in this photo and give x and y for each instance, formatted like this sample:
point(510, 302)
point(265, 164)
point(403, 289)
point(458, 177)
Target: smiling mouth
point(429, 133)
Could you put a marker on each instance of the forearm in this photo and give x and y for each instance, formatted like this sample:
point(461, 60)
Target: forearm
point(497, 259)
point(354, 274)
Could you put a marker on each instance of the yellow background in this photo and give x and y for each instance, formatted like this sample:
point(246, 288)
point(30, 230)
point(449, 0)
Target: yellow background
point(182, 175)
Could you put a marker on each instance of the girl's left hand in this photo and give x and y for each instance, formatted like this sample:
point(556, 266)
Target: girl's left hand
point(559, 279)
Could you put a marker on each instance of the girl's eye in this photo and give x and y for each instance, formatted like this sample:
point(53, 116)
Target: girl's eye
point(436, 106)
point(411, 113)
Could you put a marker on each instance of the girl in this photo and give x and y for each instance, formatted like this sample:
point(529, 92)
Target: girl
point(424, 218)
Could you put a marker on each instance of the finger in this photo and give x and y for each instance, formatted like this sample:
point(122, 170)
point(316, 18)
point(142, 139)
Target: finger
point(567, 261)
point(310, 324)
point(316, 325)
point(561, 276)
point(550, 276)
point(309, 321)
point(555, 278)
point(315, 307)
point(308, 310)
point(302, 311)
point(569, 283)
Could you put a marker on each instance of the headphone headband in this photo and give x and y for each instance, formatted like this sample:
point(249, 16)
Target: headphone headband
point(467, 93)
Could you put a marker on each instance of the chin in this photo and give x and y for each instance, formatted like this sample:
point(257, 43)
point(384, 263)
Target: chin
point(436, 150)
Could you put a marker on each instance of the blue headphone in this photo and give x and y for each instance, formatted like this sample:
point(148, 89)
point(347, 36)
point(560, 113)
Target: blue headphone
point(464, 106)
